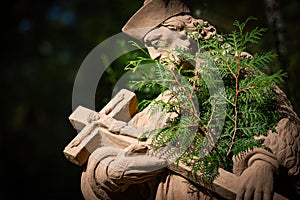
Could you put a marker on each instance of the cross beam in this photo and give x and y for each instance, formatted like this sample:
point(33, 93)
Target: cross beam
point(105, 128)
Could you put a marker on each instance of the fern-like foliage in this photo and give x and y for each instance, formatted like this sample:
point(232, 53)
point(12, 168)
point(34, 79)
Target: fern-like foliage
point(247, 99)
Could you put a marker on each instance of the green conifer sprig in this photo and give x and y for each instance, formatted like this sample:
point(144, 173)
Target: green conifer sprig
point(249, 96)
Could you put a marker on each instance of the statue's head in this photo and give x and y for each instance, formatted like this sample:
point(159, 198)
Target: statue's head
point(162, 25)
point(149, 25)
point(152, 14)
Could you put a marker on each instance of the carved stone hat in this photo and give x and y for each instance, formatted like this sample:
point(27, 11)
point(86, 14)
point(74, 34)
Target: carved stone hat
point(151, 14)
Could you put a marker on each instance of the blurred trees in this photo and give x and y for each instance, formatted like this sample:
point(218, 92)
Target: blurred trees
point(43, 45)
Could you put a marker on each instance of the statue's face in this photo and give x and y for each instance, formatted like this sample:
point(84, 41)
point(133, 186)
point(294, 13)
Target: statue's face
point(161, 41)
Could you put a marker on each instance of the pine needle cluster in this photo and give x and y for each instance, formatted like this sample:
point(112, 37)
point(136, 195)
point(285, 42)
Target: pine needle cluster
point(221, 103)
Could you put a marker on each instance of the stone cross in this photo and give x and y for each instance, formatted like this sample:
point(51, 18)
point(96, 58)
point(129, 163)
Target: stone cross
point(117, 125)
point(105, 128)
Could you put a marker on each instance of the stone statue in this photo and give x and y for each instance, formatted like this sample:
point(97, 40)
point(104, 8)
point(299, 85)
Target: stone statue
point(114, 173)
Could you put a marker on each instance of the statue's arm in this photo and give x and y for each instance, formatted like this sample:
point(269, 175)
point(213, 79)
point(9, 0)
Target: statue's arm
point(285, 143)
point(112, 170)
point(258, 167)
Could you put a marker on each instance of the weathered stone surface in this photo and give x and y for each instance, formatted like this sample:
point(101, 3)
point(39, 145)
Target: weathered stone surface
point(147, 120)
point(122, 107)
point(110, 123)
point(89, 123)
point(80, 148)
point(225, 185)
point(79, 118)
point(110, 139)
point(131, 131)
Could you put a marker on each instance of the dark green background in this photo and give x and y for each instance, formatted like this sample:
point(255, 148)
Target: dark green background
point(43, 44)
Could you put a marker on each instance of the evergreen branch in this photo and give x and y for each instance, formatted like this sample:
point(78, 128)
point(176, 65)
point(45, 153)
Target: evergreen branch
point(189, 94)
point(261, 60)
point(237, 92)
point(254, 36)
point(242, 25)
point(247, 88)
point(133, 43)
point(249, 94)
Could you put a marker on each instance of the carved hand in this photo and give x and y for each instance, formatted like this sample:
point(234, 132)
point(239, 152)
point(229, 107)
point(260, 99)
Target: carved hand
point(257, 182)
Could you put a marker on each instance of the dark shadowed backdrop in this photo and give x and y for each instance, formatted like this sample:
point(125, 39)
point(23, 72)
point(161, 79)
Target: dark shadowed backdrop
point(43, 45)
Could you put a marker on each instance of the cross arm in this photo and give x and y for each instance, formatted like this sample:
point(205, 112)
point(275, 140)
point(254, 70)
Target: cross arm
point(100, 128)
